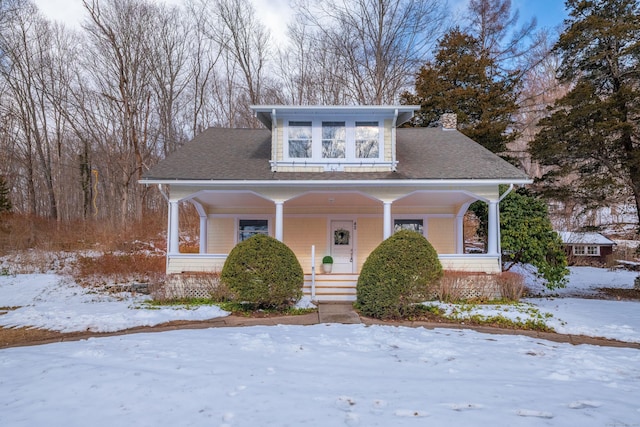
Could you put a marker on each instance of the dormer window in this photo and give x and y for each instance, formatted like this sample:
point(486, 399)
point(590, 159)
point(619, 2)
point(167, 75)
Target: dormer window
point(334, 137)
point(312, 138)
point(367, 140)
point(300, 140)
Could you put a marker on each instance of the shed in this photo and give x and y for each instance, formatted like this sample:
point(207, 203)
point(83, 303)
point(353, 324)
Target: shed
point(587, 247)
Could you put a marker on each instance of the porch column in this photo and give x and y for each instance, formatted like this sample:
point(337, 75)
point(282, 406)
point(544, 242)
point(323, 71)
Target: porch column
point(460, 234)
point(174, 245)
point(386, 220)
point(493, 228)
point(203, 234)
point(279, 220)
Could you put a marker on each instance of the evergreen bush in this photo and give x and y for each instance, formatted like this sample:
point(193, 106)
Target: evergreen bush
point(263, 272)
point(400, 272)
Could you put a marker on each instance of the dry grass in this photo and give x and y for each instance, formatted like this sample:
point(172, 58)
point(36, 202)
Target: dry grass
point(139, 267)
point(22, 232)
point(457, 286)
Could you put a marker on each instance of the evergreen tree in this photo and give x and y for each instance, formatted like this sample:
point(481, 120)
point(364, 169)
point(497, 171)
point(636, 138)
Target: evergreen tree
point(458, 81)
point(5, 203)
point(527, 236)
point(590, 142)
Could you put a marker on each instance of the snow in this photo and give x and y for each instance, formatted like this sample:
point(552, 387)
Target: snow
point(50, 301)
point(320, 375)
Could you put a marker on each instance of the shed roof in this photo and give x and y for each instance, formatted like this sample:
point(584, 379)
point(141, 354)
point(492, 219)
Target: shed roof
point(586, 238)
point(244, 154)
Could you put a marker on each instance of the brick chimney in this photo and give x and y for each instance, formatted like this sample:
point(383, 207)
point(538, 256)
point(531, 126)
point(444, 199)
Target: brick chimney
point(449, 121)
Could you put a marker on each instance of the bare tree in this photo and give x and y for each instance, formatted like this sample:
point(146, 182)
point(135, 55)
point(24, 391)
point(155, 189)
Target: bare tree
point(379, 43)
point(509, 45)
point(27, 46)
point(121, 53)
point(244, 43)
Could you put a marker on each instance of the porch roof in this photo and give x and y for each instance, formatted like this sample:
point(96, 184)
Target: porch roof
point(222, 154)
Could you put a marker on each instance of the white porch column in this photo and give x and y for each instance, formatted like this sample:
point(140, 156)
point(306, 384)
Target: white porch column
point(279, 220)
point(493, 228)
point(460, 234)
point(386, 220)
point(174, 243)
point(203, 234)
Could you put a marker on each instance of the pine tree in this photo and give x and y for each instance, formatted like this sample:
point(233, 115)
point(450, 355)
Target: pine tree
point(457, 81)
point(5, 203)
point(590, 142)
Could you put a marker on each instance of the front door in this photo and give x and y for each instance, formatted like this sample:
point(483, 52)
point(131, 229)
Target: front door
point(342, 246)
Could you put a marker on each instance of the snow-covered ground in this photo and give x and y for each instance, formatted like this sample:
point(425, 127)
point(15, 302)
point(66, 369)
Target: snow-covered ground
point(321, 375)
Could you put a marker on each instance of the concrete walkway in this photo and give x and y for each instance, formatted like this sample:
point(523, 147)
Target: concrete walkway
point(331, 313)
point(337, 312)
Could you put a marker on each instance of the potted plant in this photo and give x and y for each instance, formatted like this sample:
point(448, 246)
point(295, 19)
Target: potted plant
point(327, 263)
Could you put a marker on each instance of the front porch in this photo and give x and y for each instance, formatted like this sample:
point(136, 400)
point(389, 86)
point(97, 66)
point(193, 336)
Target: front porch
point(336, 286)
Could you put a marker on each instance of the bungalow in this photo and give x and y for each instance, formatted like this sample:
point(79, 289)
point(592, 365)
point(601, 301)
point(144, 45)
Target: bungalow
point(332, 180)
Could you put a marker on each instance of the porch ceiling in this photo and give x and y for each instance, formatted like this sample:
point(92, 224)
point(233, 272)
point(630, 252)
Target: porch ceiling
point(231, 199)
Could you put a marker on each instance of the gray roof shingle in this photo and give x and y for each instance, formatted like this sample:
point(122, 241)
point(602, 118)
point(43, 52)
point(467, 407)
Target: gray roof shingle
point(244, 154)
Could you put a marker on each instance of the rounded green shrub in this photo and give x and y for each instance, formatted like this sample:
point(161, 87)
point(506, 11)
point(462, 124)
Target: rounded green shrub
point(396, 275)
point(263, 272)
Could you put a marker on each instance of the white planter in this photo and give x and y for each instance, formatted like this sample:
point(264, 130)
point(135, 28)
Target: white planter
point(327, 268)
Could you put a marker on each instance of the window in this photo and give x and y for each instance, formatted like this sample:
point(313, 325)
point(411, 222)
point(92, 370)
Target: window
point(249, 227)
point(367, 140)
point(586, 250)
point(333, 140)
point(300, 140)
point(408, 224)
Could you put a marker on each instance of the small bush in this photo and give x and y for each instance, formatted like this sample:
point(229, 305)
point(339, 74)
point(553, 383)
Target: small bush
point(511, 285)
point(399, 273)
point(263, 272)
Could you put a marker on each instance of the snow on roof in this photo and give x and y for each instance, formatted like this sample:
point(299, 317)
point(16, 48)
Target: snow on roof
point(590, 238)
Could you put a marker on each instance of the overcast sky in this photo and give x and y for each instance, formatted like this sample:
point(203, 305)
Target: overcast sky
point(276, 13)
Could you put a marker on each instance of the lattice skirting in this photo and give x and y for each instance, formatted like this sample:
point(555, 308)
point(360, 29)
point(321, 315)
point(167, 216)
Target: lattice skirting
point(188, 285)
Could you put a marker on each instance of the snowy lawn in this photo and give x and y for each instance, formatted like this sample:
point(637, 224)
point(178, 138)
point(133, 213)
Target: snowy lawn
point(50, 301)
point(321, 375)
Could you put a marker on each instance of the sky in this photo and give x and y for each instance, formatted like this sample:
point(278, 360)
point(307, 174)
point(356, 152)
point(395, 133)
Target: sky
point(317, 375)
point(277, 13)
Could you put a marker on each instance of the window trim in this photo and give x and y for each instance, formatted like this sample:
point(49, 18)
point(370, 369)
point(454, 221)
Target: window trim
point(251, 218)
point(350, 141)
point(583, 250)
point(409, 217)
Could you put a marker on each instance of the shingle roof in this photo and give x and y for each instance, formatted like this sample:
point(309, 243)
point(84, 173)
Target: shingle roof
point(244, 154)
point(587, 238)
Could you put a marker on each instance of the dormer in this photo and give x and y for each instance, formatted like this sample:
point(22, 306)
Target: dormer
point(333, 138)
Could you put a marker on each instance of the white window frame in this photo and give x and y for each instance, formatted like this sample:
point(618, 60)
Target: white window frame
point(405, 217)
point(350, 140)
point(252, 218)
point(586, 250)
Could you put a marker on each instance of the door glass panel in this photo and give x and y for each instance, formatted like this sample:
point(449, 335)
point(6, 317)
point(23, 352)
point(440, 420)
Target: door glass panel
point(341, 237)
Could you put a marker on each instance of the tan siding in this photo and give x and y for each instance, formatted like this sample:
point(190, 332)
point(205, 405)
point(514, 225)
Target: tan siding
point(220, 235)
point(193, 264)
point(471, 264)
point(369, 235)
point(301, 233)
point(279, 140)
point(441, 234)
point(388, 125)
